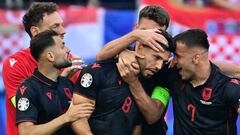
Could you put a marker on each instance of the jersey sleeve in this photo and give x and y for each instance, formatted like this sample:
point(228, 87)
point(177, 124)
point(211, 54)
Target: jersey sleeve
point(88, 82)
point(232, 92)
point(26, 101)
point(13, 76)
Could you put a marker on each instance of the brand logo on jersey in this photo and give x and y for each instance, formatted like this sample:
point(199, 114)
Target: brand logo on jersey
point(49, 95)
point(207, 93)
point(86, 80)
point(205, 102)
point(68, 93)
point(119, 82)
point(23, 104)
point(23, 89)
point(12, 61)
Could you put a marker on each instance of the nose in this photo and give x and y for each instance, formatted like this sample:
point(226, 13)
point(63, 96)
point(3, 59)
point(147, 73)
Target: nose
point(67, 49)
point(61, 31)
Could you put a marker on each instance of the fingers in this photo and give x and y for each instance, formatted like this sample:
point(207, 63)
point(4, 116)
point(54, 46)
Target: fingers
point(121, 67)
point(75, 57)
point(135, 65)
point(79, 111)
point(161, 39)
point(152, 39)
point(170, 62)
point(135, 68)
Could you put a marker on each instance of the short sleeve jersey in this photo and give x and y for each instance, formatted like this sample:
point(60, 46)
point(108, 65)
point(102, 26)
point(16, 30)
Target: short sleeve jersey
point(40, 100)
point(115, 110)
point(16, 69)
point(208, 109)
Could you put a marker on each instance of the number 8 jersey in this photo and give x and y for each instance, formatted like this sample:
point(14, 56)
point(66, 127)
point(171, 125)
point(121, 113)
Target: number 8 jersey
point(115, 111)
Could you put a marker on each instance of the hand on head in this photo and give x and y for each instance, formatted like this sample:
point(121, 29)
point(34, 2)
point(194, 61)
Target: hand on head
point(151, 38)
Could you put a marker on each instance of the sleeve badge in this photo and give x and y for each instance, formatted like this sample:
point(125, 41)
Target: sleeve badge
point(23, 104)
point(86, 80)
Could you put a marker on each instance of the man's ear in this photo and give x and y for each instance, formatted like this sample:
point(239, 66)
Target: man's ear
point(196, 58)
point(139, 51)
point(50, 56)
point(34, 30)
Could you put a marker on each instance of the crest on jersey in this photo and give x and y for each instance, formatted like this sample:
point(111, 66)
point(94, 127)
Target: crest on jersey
point(206, 93)
point(86, 80)
point(23, 104)
point(68, 93)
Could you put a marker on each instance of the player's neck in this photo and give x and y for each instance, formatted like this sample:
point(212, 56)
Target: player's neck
point(202, 74)
point(50, 72)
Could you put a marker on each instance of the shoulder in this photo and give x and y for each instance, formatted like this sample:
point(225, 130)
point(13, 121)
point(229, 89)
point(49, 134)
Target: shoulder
point(27, 87)
point(17, 59)
point(99, 67)
point(95, 74)
point(66, 81)
point(232, 83)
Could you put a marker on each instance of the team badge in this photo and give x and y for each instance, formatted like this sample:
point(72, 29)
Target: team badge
point(68, 93)
point(86, 80)
point(23, 104)
point(207, 93)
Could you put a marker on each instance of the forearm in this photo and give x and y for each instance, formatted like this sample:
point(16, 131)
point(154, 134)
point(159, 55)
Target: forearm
point(81, 127)
point(229, 68)
point(224, 4)
point(150, 108)
point(43, 129)
point(113, 48)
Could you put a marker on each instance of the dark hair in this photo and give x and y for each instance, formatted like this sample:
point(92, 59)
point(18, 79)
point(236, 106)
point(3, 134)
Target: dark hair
point(40, 42)
point(193, 38)
point(170, 46)
point(34, 15)
point(155, 13)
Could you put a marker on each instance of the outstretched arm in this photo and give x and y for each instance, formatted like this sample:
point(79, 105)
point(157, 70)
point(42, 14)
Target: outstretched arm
point(147, 37)
point(225, 4)
point(229, 68)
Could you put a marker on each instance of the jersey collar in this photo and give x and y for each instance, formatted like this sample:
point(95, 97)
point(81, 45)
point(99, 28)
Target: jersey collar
point(43, 79)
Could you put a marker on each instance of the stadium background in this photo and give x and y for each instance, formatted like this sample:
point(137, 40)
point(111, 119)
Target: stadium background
point(89, 28)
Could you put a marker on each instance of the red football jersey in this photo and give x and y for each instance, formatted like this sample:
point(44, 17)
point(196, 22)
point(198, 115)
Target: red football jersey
point(16, 68)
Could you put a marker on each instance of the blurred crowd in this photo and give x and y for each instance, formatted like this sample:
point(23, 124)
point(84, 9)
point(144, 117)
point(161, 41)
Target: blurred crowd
point(116, 4)
point(233, 5)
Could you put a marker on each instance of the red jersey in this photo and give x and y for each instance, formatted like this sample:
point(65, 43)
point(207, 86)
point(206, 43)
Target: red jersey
point(16, 68)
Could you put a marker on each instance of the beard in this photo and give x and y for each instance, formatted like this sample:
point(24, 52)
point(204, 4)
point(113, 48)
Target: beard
point(62, 65)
